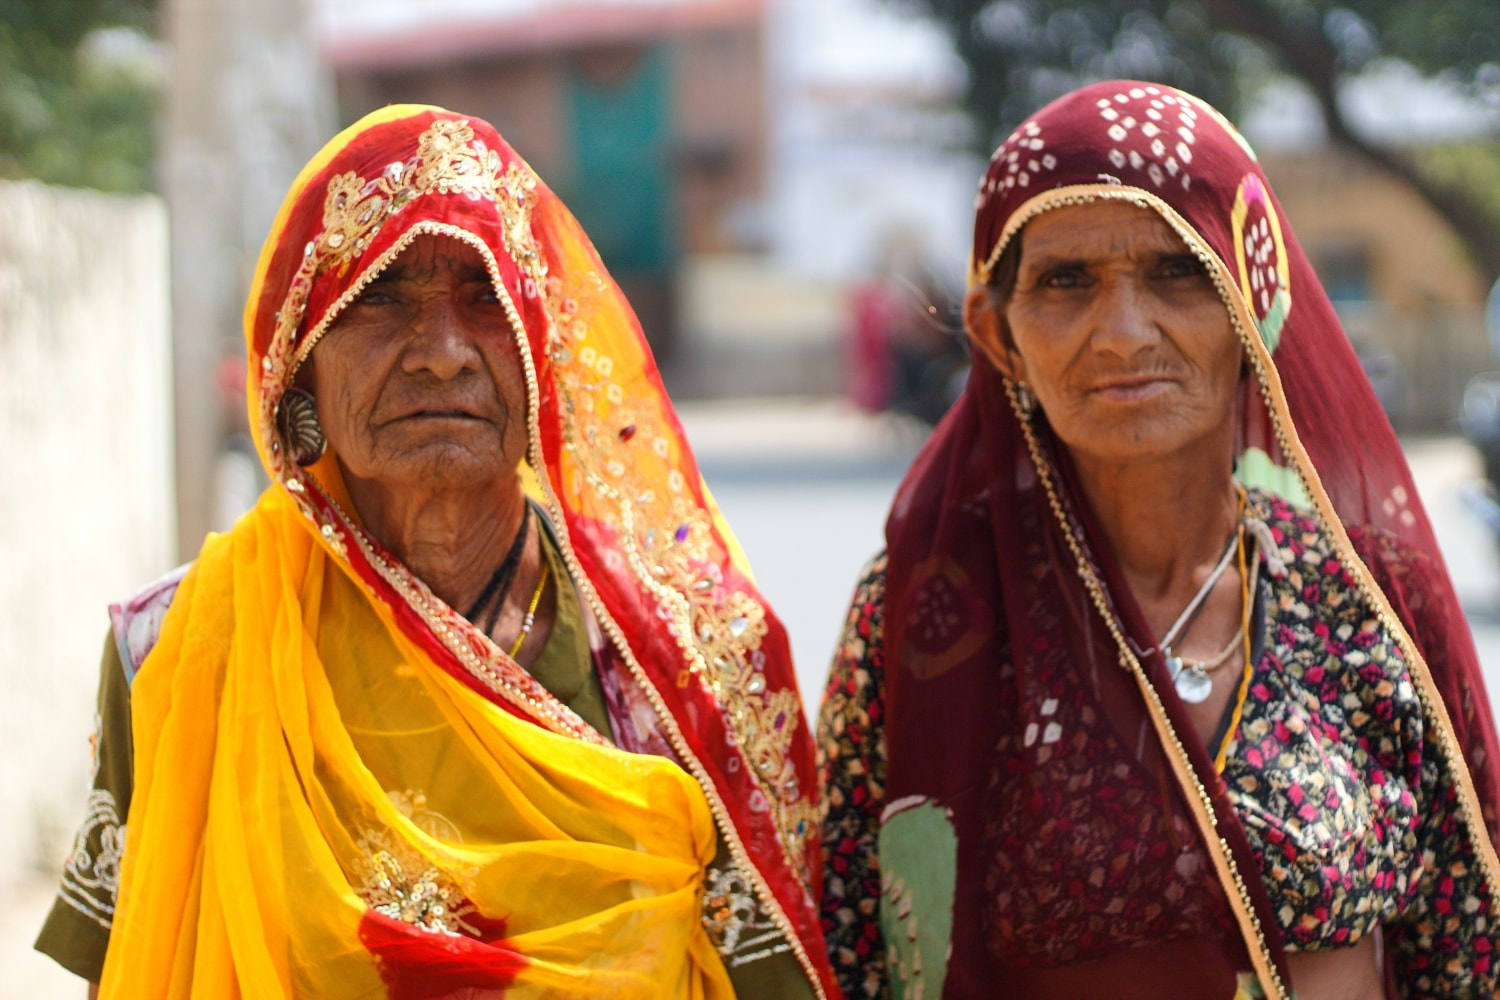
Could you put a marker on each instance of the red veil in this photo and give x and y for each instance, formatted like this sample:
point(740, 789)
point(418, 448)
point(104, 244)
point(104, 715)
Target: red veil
point(1017, 697)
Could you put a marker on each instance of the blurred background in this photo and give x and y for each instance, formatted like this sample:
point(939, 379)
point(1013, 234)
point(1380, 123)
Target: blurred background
point(784, 189)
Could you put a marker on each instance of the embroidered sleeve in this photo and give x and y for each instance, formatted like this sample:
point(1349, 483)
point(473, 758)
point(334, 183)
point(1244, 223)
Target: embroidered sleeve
point(1445, 944)
point(76, 932)
point(851, 759)
point(756, 954)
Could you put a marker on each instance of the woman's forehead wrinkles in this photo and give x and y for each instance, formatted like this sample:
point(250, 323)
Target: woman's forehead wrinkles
point(1128, 238)
point(430, 257)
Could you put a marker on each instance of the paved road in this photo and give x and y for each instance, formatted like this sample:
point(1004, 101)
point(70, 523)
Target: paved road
point(806, 486)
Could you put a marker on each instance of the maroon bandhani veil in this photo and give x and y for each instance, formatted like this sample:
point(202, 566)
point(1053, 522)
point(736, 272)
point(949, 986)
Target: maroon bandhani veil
point(1098, 850)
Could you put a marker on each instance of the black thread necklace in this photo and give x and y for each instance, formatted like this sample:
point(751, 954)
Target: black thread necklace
point(500, 581)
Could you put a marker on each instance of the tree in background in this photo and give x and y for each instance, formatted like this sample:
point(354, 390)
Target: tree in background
point(1023, 53)
point(80, 89)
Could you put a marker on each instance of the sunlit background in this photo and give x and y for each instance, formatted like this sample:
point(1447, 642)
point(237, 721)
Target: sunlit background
point(783, 187)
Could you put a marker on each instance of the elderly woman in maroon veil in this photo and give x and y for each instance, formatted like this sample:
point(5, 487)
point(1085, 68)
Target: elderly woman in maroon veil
point(1160, 688)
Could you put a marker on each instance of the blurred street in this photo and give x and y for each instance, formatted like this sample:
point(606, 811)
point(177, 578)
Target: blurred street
point(816, 477)
point(806, 484)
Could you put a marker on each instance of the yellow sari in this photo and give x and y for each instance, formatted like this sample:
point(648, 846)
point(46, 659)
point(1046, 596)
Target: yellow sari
point(343, 789)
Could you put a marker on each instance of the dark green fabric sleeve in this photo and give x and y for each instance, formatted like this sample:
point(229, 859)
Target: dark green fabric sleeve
point(76, 932)
point(760, 962)
point(565, 666)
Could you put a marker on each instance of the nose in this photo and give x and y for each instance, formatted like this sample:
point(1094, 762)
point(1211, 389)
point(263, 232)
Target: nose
point(1124, 321)
point(439, 342)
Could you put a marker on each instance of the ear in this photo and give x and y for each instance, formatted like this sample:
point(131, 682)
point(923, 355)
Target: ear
point(984, 319)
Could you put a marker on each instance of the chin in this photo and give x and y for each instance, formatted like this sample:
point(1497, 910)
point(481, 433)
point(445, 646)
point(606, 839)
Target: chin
point(444, 465)
point(1126, 442)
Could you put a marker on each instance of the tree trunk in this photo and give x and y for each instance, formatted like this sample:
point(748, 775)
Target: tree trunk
point(1309, 56)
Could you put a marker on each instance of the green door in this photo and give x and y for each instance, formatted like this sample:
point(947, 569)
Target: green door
point(620, 107)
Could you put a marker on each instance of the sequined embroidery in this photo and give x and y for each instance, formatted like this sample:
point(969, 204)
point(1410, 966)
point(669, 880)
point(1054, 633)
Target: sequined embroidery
point(399, 882)
point(667, 540)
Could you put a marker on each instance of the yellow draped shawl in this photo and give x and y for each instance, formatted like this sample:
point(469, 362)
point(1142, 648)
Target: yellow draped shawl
point(298, 759)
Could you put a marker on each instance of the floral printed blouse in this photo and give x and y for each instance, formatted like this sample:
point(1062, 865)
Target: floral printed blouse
point(1346, 806)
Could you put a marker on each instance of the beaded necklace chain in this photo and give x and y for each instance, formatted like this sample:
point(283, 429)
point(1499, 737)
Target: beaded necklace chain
point(1191, 677)
point(498, 587)
point(530, 619)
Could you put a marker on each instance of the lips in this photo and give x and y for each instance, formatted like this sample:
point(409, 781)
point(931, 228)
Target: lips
point(451, 411)
point(1131, 387)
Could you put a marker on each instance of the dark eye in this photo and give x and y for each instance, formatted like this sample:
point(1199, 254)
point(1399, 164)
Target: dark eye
point(1064, 278)
point(376, 293)
point(1181, 266)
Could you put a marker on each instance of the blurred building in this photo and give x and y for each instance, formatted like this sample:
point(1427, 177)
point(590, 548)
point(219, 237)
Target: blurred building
point(1410, 298)
point(736, 162)
point(647, 118)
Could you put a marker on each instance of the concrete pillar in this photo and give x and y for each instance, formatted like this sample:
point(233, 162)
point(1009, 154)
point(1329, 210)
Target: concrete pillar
point(249, 103)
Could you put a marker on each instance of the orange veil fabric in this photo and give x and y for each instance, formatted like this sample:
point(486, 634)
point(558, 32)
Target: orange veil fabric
point(342, 787)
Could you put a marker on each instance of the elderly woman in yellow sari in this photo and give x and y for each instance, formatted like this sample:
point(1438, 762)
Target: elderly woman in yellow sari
point(480, 698)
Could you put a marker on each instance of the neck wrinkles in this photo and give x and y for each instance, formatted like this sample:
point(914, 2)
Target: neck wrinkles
point(451, 539)
point(1166, 520)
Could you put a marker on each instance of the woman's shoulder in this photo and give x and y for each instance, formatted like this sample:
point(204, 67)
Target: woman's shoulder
point(872, 577)
point(1300, 540)
point(136, 621)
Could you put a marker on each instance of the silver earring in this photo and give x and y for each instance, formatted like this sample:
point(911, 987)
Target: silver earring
point(1025, 401)
point(300, 429)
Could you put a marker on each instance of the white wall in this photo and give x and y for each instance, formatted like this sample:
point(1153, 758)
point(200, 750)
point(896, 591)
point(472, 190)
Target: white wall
point(86, 509)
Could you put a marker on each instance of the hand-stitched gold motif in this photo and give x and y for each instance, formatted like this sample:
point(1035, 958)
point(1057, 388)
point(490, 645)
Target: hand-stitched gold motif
point(449, 160)
point(351, 214)
point(397, 881)
point(515, 193)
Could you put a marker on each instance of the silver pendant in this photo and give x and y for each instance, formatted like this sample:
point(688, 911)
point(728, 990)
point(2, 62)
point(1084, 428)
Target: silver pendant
point(1192, 682)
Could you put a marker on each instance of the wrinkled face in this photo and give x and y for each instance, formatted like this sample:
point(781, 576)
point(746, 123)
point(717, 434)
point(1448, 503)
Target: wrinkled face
point(1118, 331)
point(418, 381)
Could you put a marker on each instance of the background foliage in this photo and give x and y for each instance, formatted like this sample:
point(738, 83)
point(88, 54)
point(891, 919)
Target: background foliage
point(80, 87)
point(1023, 53)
